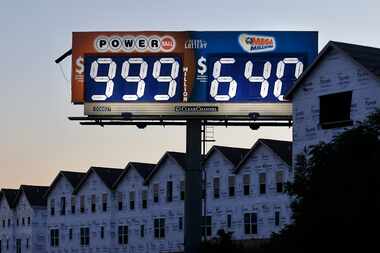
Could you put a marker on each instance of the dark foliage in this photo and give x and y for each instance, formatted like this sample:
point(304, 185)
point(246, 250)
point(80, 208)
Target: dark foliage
point(336, 195)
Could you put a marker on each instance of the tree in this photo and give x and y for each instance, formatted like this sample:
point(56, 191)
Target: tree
point(336, 194)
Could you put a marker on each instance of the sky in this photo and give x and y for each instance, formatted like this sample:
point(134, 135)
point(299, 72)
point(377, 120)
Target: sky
point(36, 138)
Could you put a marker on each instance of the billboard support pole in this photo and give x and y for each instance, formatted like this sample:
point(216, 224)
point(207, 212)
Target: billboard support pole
point(193, 187)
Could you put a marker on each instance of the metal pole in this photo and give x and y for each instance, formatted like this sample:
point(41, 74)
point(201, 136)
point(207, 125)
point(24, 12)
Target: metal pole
point(204, 181)
point(193, 187)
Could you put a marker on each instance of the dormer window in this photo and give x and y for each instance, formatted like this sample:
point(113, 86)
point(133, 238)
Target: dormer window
point(335, 110)
point(52, 207)
point(63, 206)
point(104, 202)
point(93, 203)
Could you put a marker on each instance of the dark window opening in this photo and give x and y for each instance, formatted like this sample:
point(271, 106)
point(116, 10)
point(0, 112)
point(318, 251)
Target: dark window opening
point(180, 223)
point(159, 228)
point(231, 186)
point(123, 235)
point(102, 232)
point(84, 236)
point(262, 182)
point(169, 191)
point(54, 238)
point(216, 188)
point(277, 218)
point(250, 223)
point(182, 186)
point(63, 206)
point(142, 231)
point(335, 110)
point(229, 220)
point(206, 226)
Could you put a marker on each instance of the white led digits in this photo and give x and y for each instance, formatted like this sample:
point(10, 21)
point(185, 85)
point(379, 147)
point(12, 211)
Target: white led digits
point(108, 79)
point(216, 73)
point(169, 79)
point(259, 79)
point(139, 79)
point(277, 90)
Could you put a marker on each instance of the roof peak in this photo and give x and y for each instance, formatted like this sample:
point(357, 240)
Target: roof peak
point(365, 56)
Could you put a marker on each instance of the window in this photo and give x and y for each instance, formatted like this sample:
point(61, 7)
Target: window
point(63, 206)
point(156, 188)
point(206, 226)
point(180, 223)
point(132, 200)
point(246, 184)
point(93, 203)
point(279, 181)
point(120, 201)
point(104, 202)
point(18, 245)
point(142, 231)
point(169, 191)
point(82, 204)
point(123, 235)
point(84, 236)
point(262, 182)
point(159, 228)
point(1, 247)
point(229, 220)
point(73, 200)
point(144, 196)
point(335, 110)
point(277, 218)
point(231, 186)
point(27, 243)
point(250, 223)
point(3, 223)
point(52, 207)
point(9, 222)
point(23, 221)
point(70, 234)
point(182, 189)
point(102, 232)
point(17, 222)
point(28, 221)
point(216, 187)
point(7, 247)
point(54, 238)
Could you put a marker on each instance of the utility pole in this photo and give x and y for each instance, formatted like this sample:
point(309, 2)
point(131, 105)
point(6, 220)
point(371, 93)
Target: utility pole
point(193, 187)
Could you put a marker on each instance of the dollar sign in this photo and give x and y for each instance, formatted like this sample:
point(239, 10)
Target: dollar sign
point(202, 66)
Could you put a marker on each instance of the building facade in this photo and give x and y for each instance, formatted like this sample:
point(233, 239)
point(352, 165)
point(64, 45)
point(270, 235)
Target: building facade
point(141, 208)
point(340, 89)
point(7, 216)
point(30, 220)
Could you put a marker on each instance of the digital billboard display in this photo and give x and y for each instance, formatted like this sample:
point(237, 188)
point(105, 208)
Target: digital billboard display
point(188, 73)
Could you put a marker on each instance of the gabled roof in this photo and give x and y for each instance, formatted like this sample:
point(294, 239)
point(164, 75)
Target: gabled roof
point(143, 169)
point(34, 194)
point(232, 154)
point(9, 195)
point(179, 158)
point(367, 57)
point(283, 149)
point(107, 175)
point(71, 176)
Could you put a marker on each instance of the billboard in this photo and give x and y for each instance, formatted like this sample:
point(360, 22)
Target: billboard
point(153, 73)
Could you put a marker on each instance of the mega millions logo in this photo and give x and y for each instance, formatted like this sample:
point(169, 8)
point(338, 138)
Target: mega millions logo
point(131, 43)
point(257, 43)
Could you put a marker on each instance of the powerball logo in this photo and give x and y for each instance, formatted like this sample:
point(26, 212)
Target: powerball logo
point(257, 43)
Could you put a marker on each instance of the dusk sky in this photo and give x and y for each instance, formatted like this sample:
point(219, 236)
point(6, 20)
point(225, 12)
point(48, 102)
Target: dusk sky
point(36, 138)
